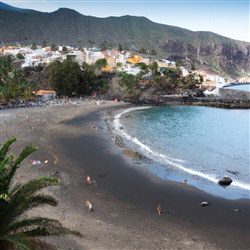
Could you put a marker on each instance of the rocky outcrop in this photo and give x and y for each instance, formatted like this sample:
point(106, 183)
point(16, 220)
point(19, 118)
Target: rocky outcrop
point(230, 60)
point(227, 104)
point(38, 75)
point(208, 102)
point(229, 99)
point(232, 94)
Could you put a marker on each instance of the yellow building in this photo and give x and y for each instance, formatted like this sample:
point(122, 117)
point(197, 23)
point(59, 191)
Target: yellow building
point(134, 60)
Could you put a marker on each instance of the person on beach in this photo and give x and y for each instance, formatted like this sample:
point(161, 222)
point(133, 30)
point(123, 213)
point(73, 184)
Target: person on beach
point(89, 205)
point(88, 179)
point(159, 209)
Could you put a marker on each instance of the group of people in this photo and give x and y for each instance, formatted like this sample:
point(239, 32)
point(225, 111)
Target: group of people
point(90, 207)
point(88, 204)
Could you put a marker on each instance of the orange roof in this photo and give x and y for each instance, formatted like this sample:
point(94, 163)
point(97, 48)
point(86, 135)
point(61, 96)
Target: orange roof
point(44, 92)
point(9, 47)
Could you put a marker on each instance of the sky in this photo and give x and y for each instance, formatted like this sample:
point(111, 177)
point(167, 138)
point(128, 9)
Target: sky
point(228, 18)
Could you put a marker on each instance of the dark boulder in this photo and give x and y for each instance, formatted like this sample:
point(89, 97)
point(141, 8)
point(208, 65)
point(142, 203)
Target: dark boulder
point(226, 181)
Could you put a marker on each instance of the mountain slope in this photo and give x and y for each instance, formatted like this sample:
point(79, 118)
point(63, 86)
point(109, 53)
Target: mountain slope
point(213, 52)
point(5, 6)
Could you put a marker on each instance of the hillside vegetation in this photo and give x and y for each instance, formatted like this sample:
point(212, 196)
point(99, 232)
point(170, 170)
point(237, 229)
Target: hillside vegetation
point(212, 52)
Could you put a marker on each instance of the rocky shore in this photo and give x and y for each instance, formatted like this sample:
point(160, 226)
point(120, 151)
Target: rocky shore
point(229, 99)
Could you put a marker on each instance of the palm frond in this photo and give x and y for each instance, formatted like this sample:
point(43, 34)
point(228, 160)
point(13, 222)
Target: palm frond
point(6, 147)
point(23, 198)
point(42, 200)
point(5, 162)
point(19, 240)
point(4, 205)
point(14, 189)
point(17, 207)
point(5, 166)
point(27, 151)
point(28, 189)
point(51, 229)
point(41, 226)
point(30, 222)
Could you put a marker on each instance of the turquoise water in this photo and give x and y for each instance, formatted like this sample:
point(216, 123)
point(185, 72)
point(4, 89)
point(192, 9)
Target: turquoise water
point(197, 144)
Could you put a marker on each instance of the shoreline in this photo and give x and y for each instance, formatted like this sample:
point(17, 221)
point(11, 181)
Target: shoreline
point(145, 156)
point(124, 199)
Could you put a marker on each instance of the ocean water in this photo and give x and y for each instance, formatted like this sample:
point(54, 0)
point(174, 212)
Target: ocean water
point(196, 145)
point(243, 87)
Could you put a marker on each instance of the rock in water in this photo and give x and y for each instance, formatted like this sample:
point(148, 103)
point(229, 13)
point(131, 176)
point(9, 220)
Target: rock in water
point(226, 181)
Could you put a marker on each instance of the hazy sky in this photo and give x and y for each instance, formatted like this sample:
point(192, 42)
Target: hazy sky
point(229, 18)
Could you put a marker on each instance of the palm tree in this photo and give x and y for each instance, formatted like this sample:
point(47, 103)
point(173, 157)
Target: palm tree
point(16, 200)
point(13, 85)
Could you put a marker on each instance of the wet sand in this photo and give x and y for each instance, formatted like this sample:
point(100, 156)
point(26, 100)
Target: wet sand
point(124, 195)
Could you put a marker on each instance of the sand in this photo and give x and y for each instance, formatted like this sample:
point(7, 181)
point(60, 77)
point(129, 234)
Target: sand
point(74, 144)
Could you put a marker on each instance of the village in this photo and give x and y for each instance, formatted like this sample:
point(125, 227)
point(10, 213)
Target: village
point(116, 61)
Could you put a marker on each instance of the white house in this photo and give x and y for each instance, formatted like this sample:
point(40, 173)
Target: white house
point(220, 81)
point(184, 71)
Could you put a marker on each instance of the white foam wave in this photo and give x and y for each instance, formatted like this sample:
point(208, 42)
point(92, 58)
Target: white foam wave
point(241, 185)
point(164, 158)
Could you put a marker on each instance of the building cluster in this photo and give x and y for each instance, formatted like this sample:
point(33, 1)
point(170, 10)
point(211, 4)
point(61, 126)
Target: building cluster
point(116, 60)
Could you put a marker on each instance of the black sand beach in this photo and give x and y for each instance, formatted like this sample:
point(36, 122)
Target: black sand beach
point(130, 185)
point(125, 195)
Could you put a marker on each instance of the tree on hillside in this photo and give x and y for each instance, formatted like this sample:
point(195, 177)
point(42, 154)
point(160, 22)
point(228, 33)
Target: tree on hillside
point(129, 81)
point(154, 68)
point(65, 77)
point(143, 67)
point(126, 46)
point(64, 50)
point(153, 52)
point(20, 56)
point(6, 66)
point(191, 81)
point(101, 63)
point(173, 76)
point(16, 230)
point(89, 78)
point(120, 47)
point(178, 63)
point(90, 43)
point(16, 87)
point(142, 50)
point(193, 67)
point(13, 85)
point(33, 46)
point(103, 45)
point(53, 47)
point(44, 44)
